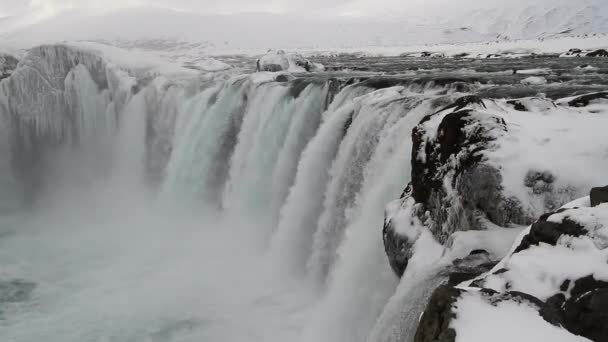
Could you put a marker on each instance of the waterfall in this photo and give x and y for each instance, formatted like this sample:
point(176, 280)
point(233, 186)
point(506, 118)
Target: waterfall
point(292, 241)
point(361, 277)
point(424, 274)
point(281, 187)
point(206, 136)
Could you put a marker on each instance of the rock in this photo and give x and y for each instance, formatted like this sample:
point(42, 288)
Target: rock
point(543, 231)
point(587, 314)
point(397, 247)
point(573, 53)
point(461, 55)
point(599, 196)
point(598, 53)
point(275, 61)
point(461, 136)
point(518, 105)
point(272, 67)
point(579, 305)
point(8, 63)
point(434, 325)
point(585, 100)
point(460, 273)
point(283, 78)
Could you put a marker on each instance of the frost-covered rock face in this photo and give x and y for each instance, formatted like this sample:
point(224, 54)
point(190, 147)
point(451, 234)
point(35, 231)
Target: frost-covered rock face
point(60, 96)
point(479, 164)
point(52, 72)
point(554, 284)
point(8, 63)
point(279, 60)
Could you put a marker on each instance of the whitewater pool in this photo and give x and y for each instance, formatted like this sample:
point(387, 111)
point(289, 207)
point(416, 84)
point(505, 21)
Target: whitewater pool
point(137, 275)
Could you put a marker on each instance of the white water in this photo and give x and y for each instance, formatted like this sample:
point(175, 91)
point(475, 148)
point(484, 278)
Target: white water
point(362, 277)
point(266, 226)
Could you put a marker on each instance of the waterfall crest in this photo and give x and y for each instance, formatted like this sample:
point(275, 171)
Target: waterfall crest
point(284, 181)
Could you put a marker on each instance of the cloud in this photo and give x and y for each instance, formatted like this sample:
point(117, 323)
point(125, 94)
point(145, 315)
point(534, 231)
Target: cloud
point(49, 7)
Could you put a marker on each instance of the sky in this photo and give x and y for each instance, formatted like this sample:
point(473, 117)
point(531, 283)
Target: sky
point(326, 7)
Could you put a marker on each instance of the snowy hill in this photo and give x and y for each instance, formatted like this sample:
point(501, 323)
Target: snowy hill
point(431, 24)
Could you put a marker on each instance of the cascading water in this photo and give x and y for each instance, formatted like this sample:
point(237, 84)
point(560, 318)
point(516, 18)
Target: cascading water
point(361, 277)
point(280, 189)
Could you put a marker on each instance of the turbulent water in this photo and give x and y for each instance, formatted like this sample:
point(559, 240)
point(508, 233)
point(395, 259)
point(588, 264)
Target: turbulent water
point(229, 209)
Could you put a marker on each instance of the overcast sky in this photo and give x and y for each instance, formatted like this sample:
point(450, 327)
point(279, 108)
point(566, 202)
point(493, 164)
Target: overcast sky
point(320, 7)
point(296, 22)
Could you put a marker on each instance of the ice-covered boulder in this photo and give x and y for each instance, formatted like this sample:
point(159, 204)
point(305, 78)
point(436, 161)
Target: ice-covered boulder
point(280, 60)
point(482, 164)
point(534, 80)
point(552, 286)
point(8, 63)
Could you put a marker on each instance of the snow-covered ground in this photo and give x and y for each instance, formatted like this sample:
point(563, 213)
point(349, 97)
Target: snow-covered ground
point(546, 26)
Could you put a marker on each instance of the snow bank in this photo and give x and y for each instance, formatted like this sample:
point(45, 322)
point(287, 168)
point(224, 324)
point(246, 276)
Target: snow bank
point(478, 320)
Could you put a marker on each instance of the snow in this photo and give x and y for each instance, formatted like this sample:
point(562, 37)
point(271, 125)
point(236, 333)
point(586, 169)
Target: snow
point(405, 222)
point(540, 270)
point(479, 321)
point(550, 137)
point(496, 241)
point(142, 62)
point(534, 80)
point(182, 37)
point(539, 71)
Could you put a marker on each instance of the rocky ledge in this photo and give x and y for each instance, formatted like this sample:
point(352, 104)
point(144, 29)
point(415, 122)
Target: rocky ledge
point(553, 286)
point(484, 170)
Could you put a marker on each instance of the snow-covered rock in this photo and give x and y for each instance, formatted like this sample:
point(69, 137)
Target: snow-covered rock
point(279, 60)
point(483, 164)
point(534, 80)
point(8, 63)
point(552, 286)
point(585, 53)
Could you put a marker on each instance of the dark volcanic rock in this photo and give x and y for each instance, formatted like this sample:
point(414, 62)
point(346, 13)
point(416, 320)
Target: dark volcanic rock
point(598, 53)
point(549, 232)
point(398, 248)
point(518, 105)
point(585, 100)
point(454, 158)
point(434, 325)
point(599, 196)
point(586, 312)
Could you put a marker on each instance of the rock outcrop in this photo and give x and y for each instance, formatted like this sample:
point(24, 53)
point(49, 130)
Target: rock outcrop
point(467, 173)
point(558, 270)
point(585, 53)
point(482, 170)
point(8, 63)
point(275, 61)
